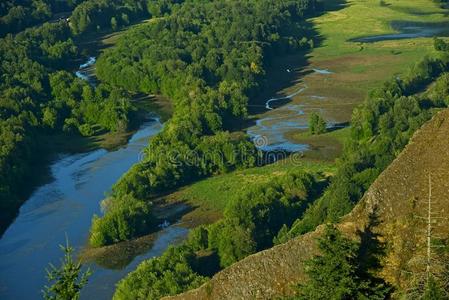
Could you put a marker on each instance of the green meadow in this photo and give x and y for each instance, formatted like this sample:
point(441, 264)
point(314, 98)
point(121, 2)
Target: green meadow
point(357, 68)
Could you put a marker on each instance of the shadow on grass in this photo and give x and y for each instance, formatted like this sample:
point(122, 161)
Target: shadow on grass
point(286, 70)
point(408, 30)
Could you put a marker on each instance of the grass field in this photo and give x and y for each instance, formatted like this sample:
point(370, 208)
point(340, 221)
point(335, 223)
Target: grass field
point(324, 147)
point(355, 68)
point(210, 196)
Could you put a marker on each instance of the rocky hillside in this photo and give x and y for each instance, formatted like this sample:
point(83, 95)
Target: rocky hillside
point(390, 221)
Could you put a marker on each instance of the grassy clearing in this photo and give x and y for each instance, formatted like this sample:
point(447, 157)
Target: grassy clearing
point(324, 147)
point(361, 18)
point(356, 67)
point(210, 196)
point(360, 67)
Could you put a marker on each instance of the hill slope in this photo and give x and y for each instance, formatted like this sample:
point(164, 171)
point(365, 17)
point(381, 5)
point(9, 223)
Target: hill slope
point(389, 211)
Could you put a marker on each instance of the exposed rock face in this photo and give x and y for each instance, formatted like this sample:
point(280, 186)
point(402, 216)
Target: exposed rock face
point(392, 213)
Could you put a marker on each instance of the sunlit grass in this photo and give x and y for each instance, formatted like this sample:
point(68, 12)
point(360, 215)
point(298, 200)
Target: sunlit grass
point(213, 193)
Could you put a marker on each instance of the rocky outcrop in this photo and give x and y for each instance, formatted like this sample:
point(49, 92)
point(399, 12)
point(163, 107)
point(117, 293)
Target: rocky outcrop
point(392, 212)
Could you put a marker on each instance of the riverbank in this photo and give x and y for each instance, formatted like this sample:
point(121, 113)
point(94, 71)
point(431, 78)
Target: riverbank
point(64, 207)
point(209, 197)
point(337, 74)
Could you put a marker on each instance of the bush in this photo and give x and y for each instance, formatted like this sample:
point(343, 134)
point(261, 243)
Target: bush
point(440, 45)
point(121, 222)
point(167, 275)
point(86, 130)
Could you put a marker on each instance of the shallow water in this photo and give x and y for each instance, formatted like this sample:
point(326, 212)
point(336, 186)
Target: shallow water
point(84, 72)
point(269, 132)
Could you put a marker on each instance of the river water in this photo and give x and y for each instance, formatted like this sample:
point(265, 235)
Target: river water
point(65, 206)
point(283, 116)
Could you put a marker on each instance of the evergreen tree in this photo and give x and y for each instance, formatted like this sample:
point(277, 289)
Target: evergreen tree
point(336, 274)
point(317, 125)
point(433, 291)
point(67, 280)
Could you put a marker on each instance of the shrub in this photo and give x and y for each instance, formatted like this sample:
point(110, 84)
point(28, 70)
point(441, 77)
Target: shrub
point(122, 222)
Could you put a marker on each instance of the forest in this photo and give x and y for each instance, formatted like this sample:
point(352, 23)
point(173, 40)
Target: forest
point(40, 96)
point(208, 58)
point(271, 214)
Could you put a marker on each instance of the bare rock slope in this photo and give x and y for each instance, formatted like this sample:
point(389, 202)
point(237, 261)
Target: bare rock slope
point(392, 212)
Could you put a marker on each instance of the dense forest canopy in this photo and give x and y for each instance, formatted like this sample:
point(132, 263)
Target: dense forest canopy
point(208, 57)
point(39, 94)
point(381, 128)
point(249, 225)
point(272, 213)
point(16, 15)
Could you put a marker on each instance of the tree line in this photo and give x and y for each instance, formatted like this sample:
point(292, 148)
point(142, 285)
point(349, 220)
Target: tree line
point(380, 129)
point(250, 224)
point(208, 57)
point(38, 96)
point(16, 15)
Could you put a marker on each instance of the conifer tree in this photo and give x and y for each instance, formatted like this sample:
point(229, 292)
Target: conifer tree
point(317, 125)
point(67, 280)
point(335, 274)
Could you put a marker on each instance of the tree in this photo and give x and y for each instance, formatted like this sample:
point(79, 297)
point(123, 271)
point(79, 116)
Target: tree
point(335, 273)
point(68, 280)
point(114, 23)
point(429, 272)
point(433, 291)
point(317, 125)
point(440, 45)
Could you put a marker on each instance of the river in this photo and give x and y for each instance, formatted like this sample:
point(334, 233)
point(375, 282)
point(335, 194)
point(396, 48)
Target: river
point(65, 206)
point(269, 132)
point(289, 113)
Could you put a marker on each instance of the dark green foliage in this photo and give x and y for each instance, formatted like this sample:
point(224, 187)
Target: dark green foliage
point(208, 57)
point(169, 274)
point(433, 291)
point(36, 99)
point(105, 14)
point(198, 238)
point(336, 275)
point(67, 280)
point(16, 15)
point(317, 125)
point(252, 221)
point(381, 128)
point(439, 93)
point(440, 45)
point(249, 225)
point(129, 218)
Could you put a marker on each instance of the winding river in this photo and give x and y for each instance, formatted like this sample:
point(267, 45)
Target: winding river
point(65, 206)
point(270, 131)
